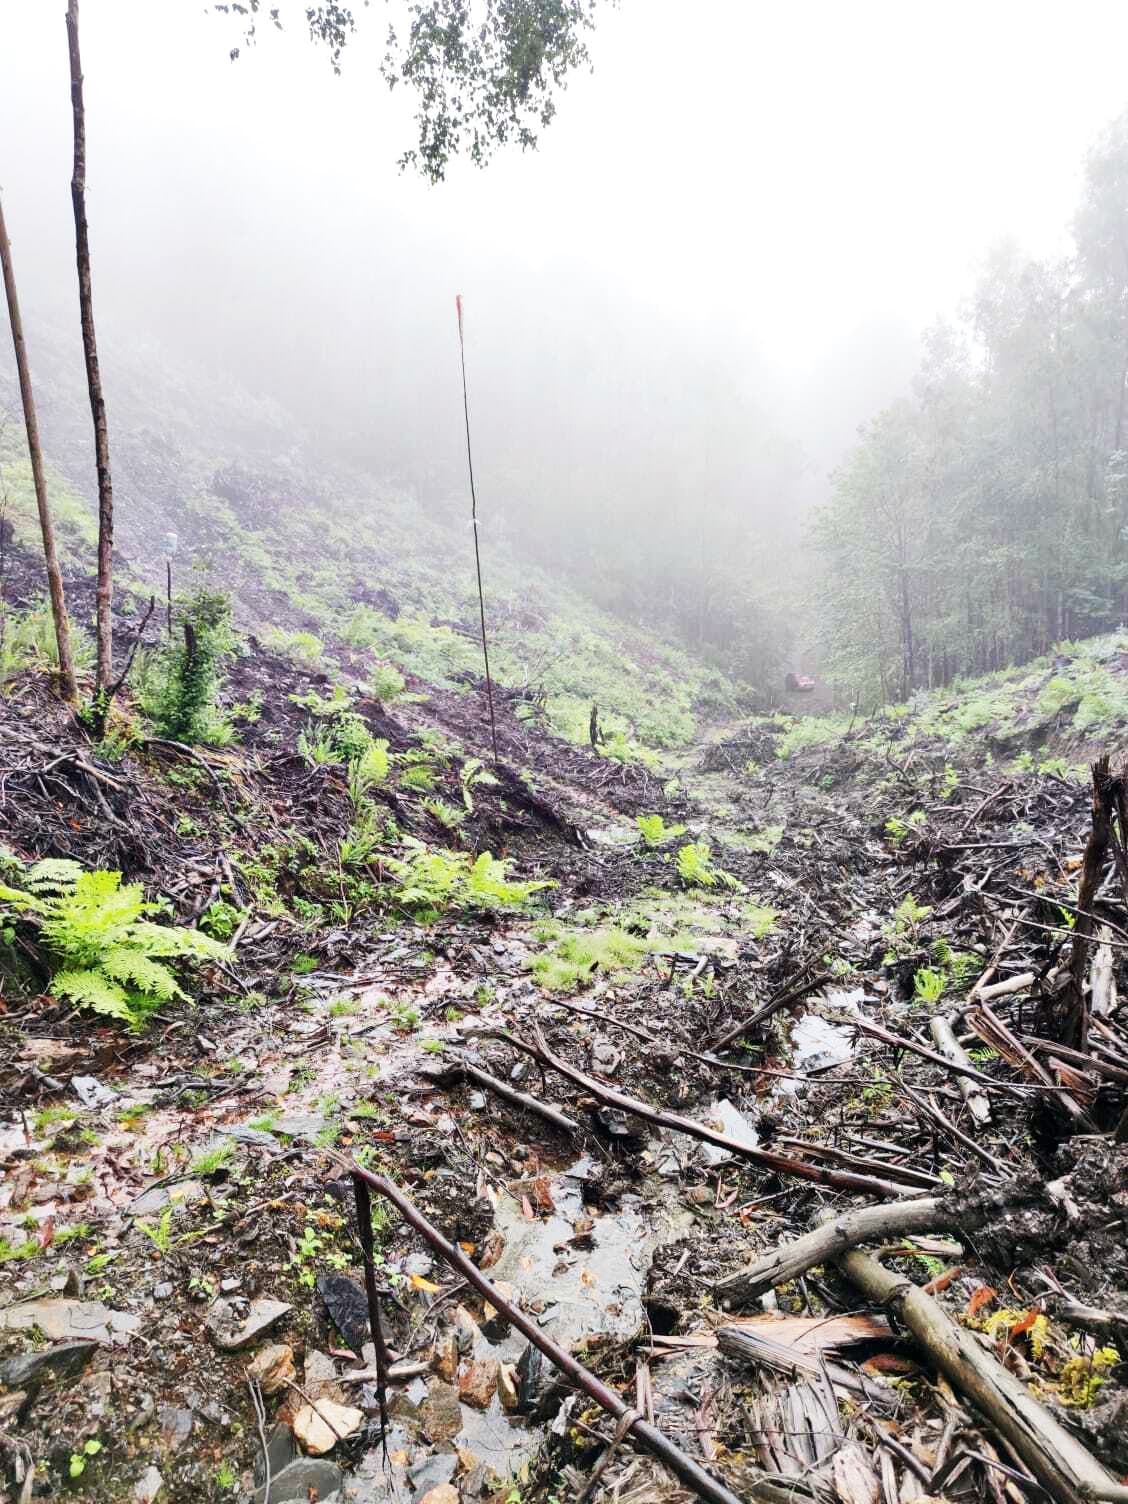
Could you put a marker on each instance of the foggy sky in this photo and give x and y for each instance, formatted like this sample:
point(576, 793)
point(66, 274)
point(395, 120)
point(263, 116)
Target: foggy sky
point(766, 200)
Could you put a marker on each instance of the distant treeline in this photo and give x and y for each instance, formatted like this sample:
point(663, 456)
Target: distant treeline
point(985, 516)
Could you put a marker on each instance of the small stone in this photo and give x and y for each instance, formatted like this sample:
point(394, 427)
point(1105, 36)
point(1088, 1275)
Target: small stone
point(157, 1197)
point(96, 1391)
point(467, 1330)
point(508, 1386)
point(175, 1424)
point(273, 1367)
point(233, 1323)
point(281, 1450)
point(319, 1427)
point(163, 1291)
point(440, 1414)
point(303, 1479)
point(148, 1486)
point(478, 1384)
point(477, 1102)
point(700, 1195)
point(444, 1359)
point(91, 1092)
point(229, 1286)
point(319, 1379)
point(446, 1493)
point(433, 1470)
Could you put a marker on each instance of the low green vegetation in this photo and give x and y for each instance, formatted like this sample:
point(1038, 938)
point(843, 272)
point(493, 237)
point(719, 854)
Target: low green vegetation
point(430, 881)
point(579, 956)
point(697, 869)
point(655, 831)
point(105, 954)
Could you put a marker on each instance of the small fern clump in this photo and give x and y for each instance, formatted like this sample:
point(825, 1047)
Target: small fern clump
point(430, 881)
point(106, 955)
point(655, 831)
point(697, 869)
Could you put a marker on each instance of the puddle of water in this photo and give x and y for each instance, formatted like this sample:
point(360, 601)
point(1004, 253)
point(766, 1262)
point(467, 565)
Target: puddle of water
point(578, 1290)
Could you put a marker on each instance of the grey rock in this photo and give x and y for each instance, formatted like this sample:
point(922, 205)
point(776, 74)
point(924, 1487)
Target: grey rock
point(163, 1291)
point(440, 1414)
point(281, 1449)
point(433, 1470)
point(58, 1319)
point(233, 1322)
point(157, 1197)
point(302, 1475)
point(229, 1286)
point(301, 1125)
point(176, 1425)
point(91, 1092)
point(64, 1358)
point(96, 1390)
point(148, 1486)
point(255, 1136)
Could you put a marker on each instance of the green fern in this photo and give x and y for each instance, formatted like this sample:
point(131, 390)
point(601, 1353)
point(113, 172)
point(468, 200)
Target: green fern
point(105, 951)
point(430, 881)
point(697, 868)
point(655, 831)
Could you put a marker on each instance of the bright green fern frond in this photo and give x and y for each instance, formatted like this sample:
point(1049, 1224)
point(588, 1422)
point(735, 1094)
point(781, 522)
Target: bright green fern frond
point(168, 940)
point(53, 873)
point(148, 976)
point(90, 989)
point(20, 899)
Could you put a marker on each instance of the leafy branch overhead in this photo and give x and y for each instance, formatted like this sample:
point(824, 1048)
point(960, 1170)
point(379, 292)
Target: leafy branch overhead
point(485, 72)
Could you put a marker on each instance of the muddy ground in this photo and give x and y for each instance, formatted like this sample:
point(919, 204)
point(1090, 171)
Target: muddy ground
point(168, 1194)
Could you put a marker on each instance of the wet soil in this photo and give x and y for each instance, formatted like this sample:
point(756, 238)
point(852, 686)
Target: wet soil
point(153, 1176)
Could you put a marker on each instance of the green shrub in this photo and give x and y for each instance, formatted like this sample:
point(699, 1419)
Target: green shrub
point(186, 708)
point(104, 953)
point(386, 683)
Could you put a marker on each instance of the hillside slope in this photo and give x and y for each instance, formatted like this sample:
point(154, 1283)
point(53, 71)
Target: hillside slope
point(327, 565)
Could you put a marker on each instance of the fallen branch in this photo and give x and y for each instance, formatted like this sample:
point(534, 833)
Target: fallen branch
point(978, 1103)
point(773, 1005)
point(780, 1163)
point(1060, 1463)
point(464, 1070)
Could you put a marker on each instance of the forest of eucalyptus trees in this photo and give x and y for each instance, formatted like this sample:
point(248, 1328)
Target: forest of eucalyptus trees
point(984, 516)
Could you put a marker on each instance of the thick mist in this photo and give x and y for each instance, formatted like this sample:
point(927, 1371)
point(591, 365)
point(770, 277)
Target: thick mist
point(679, 310)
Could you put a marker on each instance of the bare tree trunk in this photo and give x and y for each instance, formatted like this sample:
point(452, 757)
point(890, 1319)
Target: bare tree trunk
point(50, 555)
point(105, 663)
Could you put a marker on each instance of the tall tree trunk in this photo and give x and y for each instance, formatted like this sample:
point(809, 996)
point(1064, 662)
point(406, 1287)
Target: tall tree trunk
point(104, 595)
point(50, 555)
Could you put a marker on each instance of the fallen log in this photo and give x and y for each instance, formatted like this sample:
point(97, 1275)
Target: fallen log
point(830, 1239)
point(1060, 1463)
